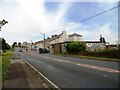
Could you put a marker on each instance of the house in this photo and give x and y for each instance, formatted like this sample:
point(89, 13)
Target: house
point(26, 45)
point(95, 45)
point(60, 38)
point(112, 46)
point(90, 46)
point(37, 45)
point(75, 37)
point(57, 43)
point(43, 43)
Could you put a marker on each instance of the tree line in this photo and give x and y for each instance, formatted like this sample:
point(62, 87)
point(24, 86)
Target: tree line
point(5, 46)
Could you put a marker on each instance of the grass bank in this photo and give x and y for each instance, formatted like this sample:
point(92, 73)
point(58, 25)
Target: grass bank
point(5, 61)
point(89, 57)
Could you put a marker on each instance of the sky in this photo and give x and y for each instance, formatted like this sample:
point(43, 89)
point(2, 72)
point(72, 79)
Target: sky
point(30, 19)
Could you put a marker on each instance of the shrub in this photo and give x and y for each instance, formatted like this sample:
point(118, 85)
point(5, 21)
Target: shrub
point(76, 46)
point(114, 53)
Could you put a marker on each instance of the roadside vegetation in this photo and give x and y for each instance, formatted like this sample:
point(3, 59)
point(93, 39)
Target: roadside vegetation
point(5, 61)
point(5, 54)
point(78, 49)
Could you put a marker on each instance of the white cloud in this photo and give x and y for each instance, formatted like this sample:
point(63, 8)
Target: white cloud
point(28, 18)
point(93, 34)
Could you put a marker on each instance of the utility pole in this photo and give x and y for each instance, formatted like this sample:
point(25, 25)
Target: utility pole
point(43, 39)
point(31, 44)
point(2, 23)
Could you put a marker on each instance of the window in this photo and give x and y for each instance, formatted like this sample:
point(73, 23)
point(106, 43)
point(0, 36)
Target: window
point(52, 46)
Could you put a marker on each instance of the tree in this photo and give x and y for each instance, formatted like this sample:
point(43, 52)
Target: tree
point(104, 40)
point(76, 46)
point(14, 45)
point(19, 44)
point(4, 45)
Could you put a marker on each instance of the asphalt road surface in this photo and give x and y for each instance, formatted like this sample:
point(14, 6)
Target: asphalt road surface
point(71, 72)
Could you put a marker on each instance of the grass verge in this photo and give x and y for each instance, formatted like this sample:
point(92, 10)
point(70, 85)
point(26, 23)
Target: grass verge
point(5, 61)
point(89, 57)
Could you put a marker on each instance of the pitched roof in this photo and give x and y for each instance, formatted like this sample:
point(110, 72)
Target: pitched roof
point(74, 34)
point(55, 37)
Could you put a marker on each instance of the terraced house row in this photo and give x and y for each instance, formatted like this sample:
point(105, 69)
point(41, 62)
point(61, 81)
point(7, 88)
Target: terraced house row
point(57, 43)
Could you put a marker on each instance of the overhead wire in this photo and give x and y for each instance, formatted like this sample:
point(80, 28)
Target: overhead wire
point(90, 17)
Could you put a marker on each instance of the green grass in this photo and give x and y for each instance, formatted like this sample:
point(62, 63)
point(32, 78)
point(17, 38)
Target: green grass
point(89, 57)
point(5, 61)
point(0, 70)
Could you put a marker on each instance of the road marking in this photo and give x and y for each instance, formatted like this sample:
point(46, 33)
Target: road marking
point(55, 86)
point(85, 65)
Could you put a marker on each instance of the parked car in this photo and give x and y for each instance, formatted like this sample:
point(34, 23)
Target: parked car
point(43, 50)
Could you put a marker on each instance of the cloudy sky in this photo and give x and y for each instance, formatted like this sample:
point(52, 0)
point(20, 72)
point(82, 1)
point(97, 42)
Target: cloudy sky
point(29, 18)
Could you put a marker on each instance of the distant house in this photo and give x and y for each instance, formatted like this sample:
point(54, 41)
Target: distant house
point(26, 45)
point(37, 45)
point(95, 45)
point(112, 46)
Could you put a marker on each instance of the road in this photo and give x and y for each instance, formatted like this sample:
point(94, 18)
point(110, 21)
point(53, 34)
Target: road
point(71, 72)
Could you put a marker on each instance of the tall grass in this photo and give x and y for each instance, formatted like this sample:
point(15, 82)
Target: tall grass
point(5, 61)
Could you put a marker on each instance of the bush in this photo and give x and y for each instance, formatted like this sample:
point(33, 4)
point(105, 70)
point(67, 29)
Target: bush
point(76, 46)
point(114, 53)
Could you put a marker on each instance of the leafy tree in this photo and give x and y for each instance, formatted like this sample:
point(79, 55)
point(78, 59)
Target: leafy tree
point(19, 44)
point(3, 44)
point(14, 45)
point(102, 39)
point(76, 46)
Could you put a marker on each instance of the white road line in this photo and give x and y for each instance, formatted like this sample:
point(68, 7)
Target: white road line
point(55, 86)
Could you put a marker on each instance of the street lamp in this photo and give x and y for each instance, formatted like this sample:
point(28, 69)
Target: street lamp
point(2, 23)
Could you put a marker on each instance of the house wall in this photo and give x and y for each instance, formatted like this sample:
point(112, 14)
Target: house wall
point(64, 37)
point(56, 47)
point(63, 49)
point(90, 46)
point(47, 44)
point(38, 45)
point(95, 46)
point(75, 38)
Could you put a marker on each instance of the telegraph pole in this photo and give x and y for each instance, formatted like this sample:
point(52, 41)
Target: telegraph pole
point(43, 39)
point(31, 44)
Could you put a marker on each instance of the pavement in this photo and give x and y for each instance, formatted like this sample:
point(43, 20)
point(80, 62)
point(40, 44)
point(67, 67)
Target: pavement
point(21, 75)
